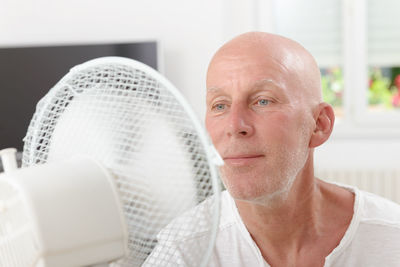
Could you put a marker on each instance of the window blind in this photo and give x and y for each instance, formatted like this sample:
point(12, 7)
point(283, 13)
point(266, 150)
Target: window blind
point(383, 32)
point(316, 24)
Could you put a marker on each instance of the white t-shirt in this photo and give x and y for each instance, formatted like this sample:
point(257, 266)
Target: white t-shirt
point(372, 238)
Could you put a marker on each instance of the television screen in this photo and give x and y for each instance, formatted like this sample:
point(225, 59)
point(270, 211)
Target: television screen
point(27, 74)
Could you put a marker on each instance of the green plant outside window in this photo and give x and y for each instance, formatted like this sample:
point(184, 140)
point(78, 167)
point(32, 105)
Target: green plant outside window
point(383, 88)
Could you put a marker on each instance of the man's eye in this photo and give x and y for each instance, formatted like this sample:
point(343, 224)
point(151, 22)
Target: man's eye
point(219, 106)
point(263, 102)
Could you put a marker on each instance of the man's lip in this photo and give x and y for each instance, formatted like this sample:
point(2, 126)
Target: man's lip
point(242, 160)
point(243, 156)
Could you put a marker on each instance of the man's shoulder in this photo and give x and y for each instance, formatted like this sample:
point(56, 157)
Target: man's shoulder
point(379, 210)
point(376, 239)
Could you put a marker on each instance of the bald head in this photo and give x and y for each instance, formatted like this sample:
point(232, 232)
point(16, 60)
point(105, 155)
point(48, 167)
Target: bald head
point(264, 114)
point(288, 61)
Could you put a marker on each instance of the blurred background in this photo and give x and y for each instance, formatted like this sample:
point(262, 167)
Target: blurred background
point(356, 44)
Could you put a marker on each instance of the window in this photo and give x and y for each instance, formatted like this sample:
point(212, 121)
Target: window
point(383, 39)
point(317, 25)
point(357, 46)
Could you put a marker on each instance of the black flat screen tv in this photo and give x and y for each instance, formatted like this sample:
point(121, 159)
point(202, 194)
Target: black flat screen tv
point(27, 74)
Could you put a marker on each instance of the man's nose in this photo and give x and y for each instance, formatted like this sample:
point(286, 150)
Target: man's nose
point(240, 122)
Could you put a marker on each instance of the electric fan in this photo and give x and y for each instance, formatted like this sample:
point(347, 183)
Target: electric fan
point(116, 167)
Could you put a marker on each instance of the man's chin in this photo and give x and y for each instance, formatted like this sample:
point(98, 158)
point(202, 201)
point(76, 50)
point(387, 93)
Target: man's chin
point(259, 195)
point(251, 187)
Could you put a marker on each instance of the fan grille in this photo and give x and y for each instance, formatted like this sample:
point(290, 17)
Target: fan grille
point(123, 116)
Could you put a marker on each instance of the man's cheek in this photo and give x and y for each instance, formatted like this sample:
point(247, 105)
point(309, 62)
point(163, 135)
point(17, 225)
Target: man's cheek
point(216, 133)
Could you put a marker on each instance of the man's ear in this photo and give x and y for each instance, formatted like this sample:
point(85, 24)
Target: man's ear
point(324, 120)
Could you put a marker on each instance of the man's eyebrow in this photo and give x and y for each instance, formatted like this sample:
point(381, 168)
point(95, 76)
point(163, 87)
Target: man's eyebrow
point(257, 85)
point(272, 86)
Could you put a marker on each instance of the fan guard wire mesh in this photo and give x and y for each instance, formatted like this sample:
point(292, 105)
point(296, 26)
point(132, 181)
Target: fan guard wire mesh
point(127, 116)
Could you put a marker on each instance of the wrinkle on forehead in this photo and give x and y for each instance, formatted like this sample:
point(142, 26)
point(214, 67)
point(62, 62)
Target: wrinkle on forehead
point(257, 84)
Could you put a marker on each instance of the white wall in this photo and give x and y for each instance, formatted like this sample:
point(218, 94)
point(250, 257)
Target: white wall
point(359, 154)
point(189, 31)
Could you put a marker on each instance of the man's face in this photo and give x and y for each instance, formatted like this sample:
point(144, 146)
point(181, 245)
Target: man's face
point(258, 122)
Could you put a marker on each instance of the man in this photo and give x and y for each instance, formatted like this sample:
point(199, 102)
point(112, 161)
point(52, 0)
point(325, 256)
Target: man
point(265, 116)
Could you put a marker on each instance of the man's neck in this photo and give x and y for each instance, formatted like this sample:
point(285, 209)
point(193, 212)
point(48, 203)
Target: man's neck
point(310, 221)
